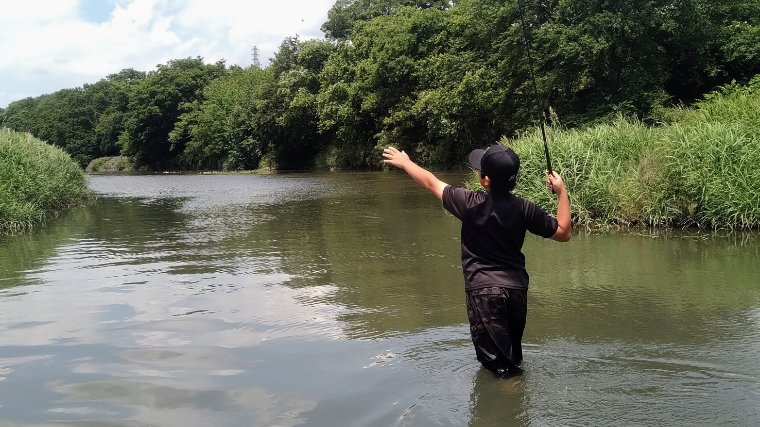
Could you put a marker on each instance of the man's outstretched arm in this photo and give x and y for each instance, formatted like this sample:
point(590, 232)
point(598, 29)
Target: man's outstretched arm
point(423, 177)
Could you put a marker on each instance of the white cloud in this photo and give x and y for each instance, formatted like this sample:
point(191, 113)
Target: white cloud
point(35, 12)
point(48, 45)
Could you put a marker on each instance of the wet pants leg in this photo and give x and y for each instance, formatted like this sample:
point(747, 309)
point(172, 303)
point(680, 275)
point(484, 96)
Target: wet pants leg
point(497, 321)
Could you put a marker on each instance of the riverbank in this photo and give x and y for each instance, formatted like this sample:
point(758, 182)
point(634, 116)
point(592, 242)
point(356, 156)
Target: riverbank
point(111, 164)
point(37, 182)
point(697, 168)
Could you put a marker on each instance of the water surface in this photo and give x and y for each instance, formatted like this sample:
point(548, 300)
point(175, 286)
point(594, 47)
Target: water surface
point(337, 300)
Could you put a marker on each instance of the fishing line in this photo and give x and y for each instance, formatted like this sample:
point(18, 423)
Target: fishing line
point(528, 49)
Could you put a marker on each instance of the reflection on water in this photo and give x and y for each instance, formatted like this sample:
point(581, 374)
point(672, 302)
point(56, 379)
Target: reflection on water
point(336, 299)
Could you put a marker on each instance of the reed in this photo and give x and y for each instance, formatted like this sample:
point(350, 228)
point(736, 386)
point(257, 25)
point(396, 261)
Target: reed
point(698, 169)
point(111, 164)
point(37, 182)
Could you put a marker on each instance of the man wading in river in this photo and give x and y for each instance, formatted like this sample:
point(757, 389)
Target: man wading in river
point(494, 223)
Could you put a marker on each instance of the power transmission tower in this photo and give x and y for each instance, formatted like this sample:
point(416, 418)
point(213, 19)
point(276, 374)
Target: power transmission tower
point(255, 57)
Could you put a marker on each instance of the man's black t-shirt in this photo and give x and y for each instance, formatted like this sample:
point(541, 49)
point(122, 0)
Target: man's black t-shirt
point(493, 232)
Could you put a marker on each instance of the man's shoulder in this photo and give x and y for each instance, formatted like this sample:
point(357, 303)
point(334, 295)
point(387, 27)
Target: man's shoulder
point(463, 190)
point(459, 201)
point(464, 194)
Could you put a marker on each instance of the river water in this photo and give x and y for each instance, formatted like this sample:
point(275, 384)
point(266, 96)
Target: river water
point(337, 300)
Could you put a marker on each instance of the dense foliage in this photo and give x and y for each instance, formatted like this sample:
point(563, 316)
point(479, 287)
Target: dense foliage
point(699, 168)
point(85, 122)
point(435, 77)
point(37, 181)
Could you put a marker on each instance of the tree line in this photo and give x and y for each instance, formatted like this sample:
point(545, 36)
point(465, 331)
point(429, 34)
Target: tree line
point(435, 77)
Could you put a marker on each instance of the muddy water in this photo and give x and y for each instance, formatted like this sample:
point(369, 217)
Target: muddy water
point(336, 300)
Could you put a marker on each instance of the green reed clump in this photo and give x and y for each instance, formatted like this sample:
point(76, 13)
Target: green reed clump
point(589, 160)
point(699, 170)
point(37, 181)
point(111, 164)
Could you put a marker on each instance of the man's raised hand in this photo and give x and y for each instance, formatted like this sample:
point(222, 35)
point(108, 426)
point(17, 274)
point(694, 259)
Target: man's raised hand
point(394, 157)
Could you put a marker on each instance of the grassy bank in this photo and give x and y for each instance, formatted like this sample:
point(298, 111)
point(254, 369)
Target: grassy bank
point(37, 181)
point(111, 164)
point(698, 168)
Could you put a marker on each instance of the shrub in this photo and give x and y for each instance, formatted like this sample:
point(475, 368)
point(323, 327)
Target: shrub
point(697, 169)
point(37, 181)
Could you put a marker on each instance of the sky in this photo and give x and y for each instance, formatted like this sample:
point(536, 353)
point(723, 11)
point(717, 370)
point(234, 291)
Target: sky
point(48, 45)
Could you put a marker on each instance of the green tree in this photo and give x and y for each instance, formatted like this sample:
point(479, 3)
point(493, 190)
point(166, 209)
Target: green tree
point(155, 104)
point(598, 58)
point(341, 118)
point(83, 121)
point(435, 77)
point(740, 28)
point(224, 130)
point(111, 99)
point(344, 14)
point(21, 115)
point(742, 50)
point(292, 102)
point(410, 79)
point(64, 119)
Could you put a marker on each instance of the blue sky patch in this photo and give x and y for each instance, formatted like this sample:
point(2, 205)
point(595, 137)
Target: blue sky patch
point(96, 11)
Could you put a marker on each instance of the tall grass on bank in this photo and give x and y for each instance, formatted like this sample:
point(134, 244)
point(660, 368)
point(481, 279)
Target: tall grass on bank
point(37, 181)
point(111, 164)
point(701, 169)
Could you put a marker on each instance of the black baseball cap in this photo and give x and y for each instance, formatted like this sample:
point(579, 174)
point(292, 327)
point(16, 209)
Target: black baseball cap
point(498, 162)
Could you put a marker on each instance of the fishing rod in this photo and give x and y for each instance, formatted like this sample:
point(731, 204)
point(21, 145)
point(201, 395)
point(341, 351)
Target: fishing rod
point(528, 49)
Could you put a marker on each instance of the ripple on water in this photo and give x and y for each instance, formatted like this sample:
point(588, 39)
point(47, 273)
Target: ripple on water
point(573, 379)
point(282, 301)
